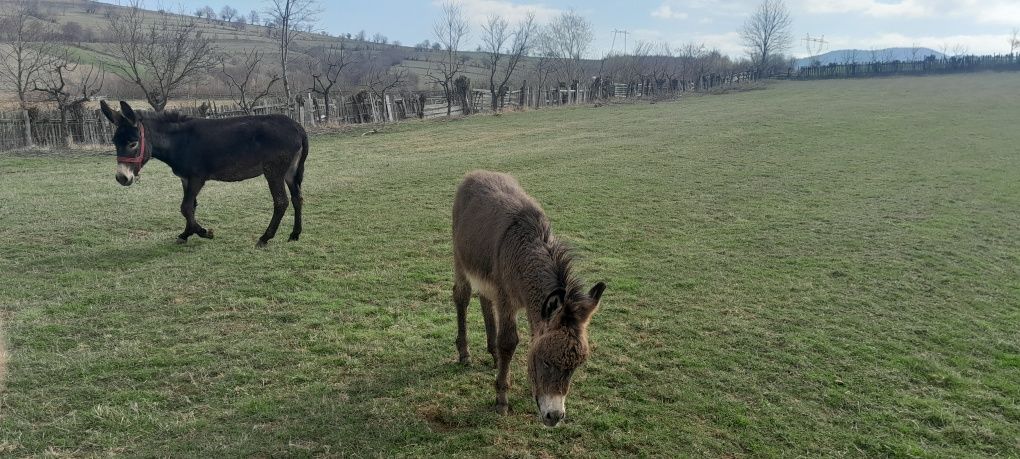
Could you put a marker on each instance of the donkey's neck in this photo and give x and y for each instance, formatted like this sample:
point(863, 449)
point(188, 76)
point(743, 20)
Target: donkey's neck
point(160, 137)
point(546, 269)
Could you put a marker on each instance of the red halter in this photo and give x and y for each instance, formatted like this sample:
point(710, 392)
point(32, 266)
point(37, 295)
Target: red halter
point(139, 158)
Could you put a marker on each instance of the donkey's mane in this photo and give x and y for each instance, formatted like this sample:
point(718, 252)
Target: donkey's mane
point(563, 258)
point(166, 117)
point(561, 255)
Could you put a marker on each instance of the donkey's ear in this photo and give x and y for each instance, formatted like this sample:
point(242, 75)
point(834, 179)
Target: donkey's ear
point(111, 115)
point(553, 303)
point(596, 292)
point(129, 114)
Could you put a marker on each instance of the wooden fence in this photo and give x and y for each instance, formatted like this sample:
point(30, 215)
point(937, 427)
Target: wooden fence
point(90, 127)
point(928, 66)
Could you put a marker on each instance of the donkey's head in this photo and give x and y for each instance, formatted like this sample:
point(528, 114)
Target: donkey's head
point(559, 348)
point(129, 139)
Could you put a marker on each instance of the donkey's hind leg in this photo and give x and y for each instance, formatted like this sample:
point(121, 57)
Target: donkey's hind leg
point(461, 299)
point(277, 188)
point(297, 199)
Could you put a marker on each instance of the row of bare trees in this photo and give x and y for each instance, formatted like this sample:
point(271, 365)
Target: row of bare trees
point(158, 52)
point(33, 62)
point(662, 67)
point(561, 47)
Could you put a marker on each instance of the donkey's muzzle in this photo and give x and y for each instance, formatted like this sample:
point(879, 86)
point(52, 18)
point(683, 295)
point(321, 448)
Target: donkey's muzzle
point(125, 175)
point(552, 409)
point(552, 418)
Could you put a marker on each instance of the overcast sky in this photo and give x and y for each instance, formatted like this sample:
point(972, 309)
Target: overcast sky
point(980, 26)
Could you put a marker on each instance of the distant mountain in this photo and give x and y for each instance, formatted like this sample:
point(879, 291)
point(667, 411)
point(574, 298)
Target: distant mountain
point(845, 56)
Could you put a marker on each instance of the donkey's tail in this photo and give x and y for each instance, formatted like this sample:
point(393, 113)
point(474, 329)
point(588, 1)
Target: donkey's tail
point(299, 173)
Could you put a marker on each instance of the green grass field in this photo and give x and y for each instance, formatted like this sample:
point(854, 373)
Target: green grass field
point(814, 269)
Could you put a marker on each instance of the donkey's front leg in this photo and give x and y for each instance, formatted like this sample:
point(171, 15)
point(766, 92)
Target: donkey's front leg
point(188, 204)
point(507, 344)
point(461, 299)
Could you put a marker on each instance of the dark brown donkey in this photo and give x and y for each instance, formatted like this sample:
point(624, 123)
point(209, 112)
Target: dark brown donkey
point(503, 249)
point(229, 150)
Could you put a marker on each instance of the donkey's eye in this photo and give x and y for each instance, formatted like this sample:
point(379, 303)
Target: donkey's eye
point(133, 145)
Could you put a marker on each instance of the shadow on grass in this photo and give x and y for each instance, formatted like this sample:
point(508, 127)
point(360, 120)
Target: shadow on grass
point(113, 258)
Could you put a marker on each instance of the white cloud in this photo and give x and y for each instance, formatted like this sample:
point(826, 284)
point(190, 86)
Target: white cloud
point(1001, 12)
point(875, 8)
point(664, 11)
point(728, 43)
point(477, 11)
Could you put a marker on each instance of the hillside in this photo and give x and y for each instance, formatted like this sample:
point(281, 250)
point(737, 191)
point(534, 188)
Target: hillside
point(846, 56)
point(83, 26)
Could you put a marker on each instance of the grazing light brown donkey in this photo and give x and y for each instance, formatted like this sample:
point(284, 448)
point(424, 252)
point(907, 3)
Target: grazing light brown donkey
point(503, 249)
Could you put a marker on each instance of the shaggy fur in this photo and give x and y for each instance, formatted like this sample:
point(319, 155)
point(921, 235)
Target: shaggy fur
point(504, 249)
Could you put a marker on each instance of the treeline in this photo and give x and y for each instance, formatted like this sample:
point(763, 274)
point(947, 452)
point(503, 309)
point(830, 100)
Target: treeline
point(159, 56)
point(930, 65)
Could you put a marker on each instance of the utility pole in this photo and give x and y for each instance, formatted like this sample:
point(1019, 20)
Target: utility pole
point(814, 46)
point(624, 33)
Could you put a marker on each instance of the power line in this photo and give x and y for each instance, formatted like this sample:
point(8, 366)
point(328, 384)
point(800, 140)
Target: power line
point(620, 32)
point(814, 46)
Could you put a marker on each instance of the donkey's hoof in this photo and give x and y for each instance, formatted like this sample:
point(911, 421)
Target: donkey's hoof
point(261, 244)
point(293, 237)
point(181, 240)
point(208, 234)
point(502, 410)
point(465, 360)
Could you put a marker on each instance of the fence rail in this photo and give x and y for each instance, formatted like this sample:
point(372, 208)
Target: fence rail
point(90, 127)
point(928, 66)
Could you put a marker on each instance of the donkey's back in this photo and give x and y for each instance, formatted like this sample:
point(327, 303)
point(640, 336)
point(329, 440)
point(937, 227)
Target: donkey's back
point(486, 207)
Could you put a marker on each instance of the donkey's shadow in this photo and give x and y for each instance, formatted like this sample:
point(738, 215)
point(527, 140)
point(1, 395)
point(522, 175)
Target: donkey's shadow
point(111, 258)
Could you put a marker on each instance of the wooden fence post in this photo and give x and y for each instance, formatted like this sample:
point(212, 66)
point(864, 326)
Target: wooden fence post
point(311, 109)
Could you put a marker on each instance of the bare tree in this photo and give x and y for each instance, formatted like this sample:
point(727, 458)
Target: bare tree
point(567, 39)
point(26, 54)
point(767, 32)
point(851, 56)
point(69, 88)
point(641, 67)
point(209, 13)
point(327, 71)
point(160, 54)
point(290, 16)
point(959, 50)
point(227, 13)
point(449, 30)
point(1014, 41)
point(944, 49)
point(249, 82)
point(253, 17)
point(381, 78)
point(505, 50)
point(694, 58)
point(543, 68)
